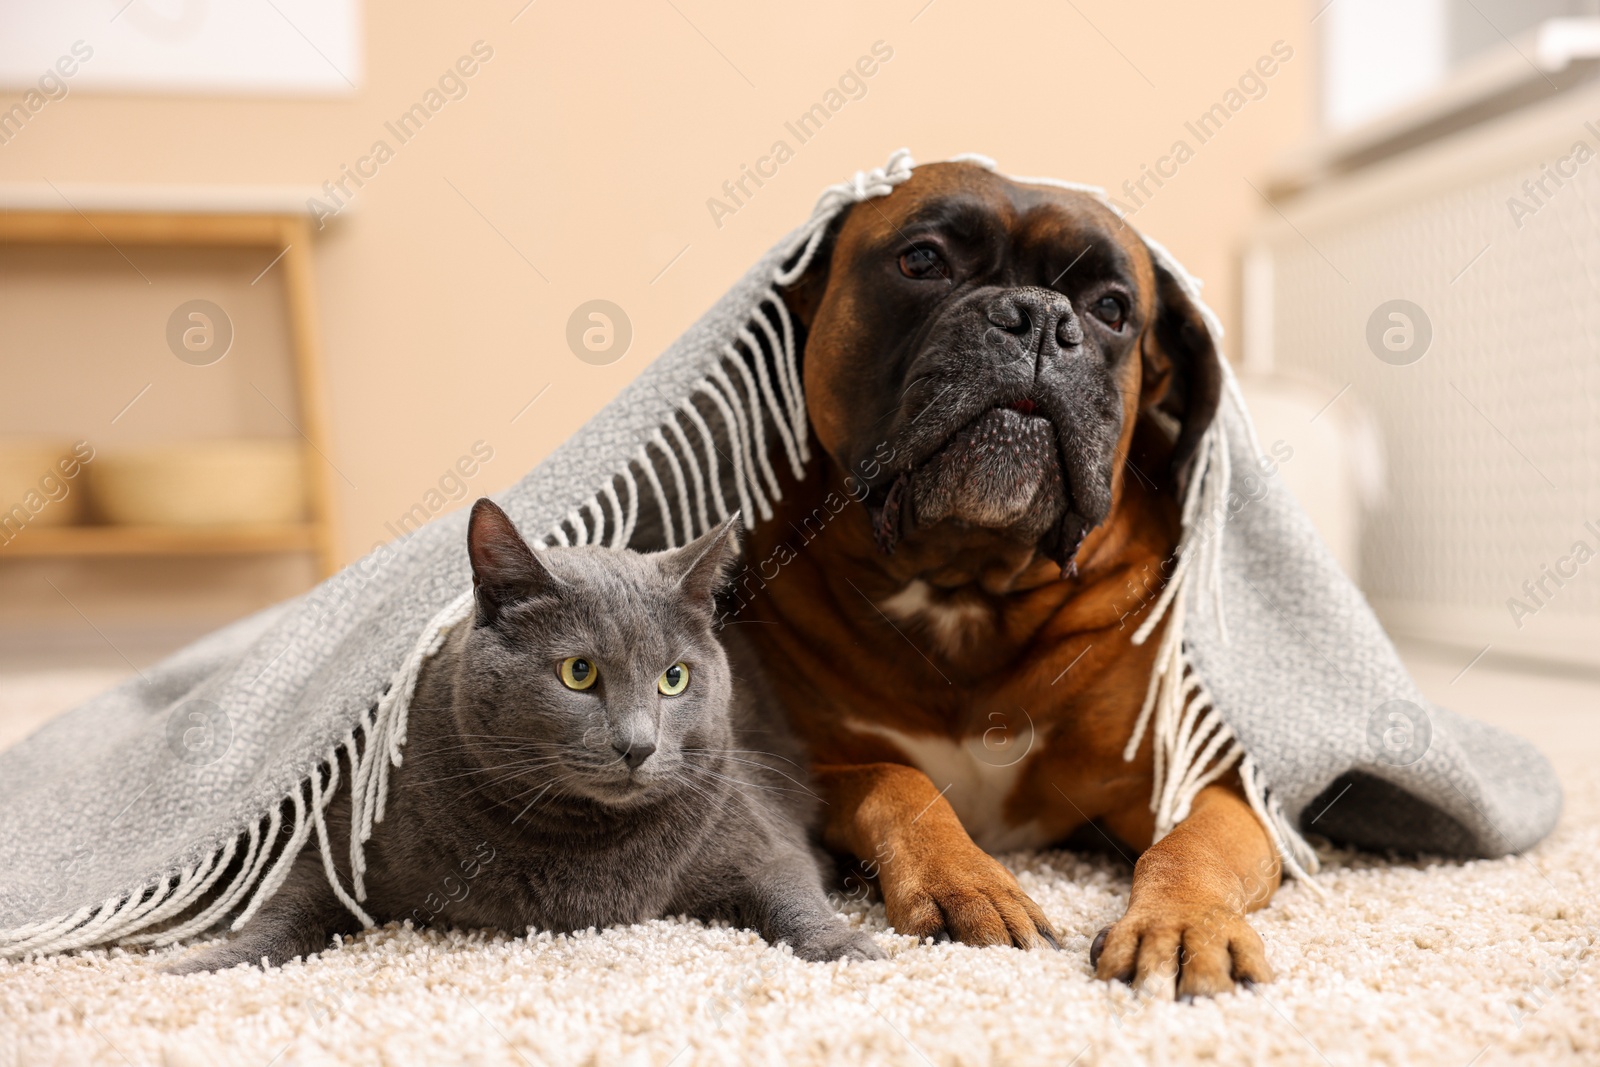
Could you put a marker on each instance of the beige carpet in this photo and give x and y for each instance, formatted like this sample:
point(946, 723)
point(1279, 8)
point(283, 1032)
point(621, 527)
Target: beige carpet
point(1453, 964)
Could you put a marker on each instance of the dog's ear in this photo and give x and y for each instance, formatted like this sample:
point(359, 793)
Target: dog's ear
point(803, 295)
point(1182, 371)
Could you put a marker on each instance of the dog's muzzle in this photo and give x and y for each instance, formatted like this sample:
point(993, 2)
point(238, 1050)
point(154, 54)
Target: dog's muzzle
point(998, 395)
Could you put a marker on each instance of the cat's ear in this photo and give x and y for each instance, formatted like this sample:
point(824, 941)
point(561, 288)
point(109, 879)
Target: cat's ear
point(704, 564)
point(504, 569)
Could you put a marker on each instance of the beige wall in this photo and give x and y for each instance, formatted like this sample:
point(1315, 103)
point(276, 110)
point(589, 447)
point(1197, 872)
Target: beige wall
point(592, 140)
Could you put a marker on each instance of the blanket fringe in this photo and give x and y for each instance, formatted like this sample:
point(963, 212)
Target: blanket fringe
point(126, 918)
point(687, 464)
point(1193, 746)
point(385, 741)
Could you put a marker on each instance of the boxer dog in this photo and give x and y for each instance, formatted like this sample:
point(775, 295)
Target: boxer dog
point(1010, 388)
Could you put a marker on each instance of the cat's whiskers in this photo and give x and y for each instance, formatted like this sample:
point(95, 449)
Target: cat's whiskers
point(548, 786)
point(498, 750)
point(523, 767)
point(528, 746)
point(521, 771)
point(477, 739)
point(749, 817)
point(723, 754)
point(501, 737)
point(678, 779)
point(747, 752)
point(735, 780)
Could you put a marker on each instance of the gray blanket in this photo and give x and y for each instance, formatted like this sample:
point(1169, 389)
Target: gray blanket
point(174, 803)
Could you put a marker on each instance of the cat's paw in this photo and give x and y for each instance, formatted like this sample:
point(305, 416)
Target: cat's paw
point(253, 948)
point(840, 942)
point(219, 957)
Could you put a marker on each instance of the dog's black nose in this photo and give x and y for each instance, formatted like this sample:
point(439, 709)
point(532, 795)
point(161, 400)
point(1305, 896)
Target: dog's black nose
point(1011, 317)
point(1042, 319)
point(634, 754)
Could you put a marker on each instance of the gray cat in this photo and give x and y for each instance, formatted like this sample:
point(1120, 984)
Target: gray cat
point(575, 758)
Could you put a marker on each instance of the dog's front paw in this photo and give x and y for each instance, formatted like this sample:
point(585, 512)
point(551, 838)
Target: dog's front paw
point(1180, 951)
point(967, 896)
point(838, 942)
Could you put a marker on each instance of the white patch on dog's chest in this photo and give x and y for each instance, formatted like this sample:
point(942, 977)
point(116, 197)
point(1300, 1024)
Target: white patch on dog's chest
point(950, 622)
point(977, 776)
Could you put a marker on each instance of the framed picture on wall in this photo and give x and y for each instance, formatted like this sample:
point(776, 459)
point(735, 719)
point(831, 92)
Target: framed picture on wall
point(209, 47)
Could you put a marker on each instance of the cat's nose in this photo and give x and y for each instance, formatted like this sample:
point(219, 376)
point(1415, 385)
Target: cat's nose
point(635, 753)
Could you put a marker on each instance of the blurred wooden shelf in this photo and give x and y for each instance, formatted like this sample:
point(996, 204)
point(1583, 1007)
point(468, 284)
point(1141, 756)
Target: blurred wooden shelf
point(266, 216)
point(159, 540)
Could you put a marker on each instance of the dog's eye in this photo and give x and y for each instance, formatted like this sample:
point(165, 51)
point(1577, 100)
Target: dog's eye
point(578, 673)
point(1109, 310)
point(922, 262)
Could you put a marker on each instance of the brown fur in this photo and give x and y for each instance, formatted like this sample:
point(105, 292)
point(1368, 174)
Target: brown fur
point(1048, 656)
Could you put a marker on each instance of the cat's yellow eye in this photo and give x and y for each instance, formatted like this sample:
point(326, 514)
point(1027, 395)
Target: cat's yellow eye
point(578, 673)
point(673, 680)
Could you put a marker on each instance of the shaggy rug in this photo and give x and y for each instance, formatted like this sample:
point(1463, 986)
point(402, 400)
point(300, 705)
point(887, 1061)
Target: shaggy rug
point(1408, 962)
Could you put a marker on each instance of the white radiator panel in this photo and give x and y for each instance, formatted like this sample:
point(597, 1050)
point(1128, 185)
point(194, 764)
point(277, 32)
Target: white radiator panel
point(1493, 435)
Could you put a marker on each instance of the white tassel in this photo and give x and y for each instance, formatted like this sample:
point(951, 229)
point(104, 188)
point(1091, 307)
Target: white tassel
point(255, 858)
point(104, 925)
point(687, 455)
point(678, 480)
point(31, 931)
point(374, 762)
point(170, 888)
point(743, 477)
point(662, 507)
point(1201, 483)
point(319, 801)
point(1168, 661)
point(580, 532)
point(713, 472)
point(27, 938)
point(1177, 711)
point(374, 755)
point(301, 826)
point(360, 773)
point(880, 181)
point(397, 702)
point(1193, 784)
point(783, 351)
point(619, 525)
point(758, 430)
point(782, 410)
point(1189, 767)
point(789, 367)
point(867, 184)
point(187, 894)
point(1299, 858)
point(55, 933)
